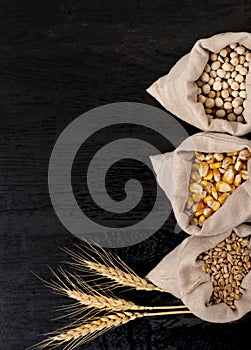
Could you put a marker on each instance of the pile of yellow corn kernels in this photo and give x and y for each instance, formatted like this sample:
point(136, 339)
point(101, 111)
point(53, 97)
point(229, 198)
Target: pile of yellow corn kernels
point(214, 176)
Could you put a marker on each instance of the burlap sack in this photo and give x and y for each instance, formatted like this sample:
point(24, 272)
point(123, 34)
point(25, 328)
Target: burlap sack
point(173, 172)
point(177, 91)
point(180, 273)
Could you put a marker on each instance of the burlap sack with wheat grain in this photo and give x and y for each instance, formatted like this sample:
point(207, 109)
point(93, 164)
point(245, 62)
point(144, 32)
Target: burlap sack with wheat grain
point(180, 273)
point(177, 91)
point(173, 173)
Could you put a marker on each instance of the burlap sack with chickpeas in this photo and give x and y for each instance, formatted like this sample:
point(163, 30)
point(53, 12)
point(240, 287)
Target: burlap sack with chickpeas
point(222, 298)
point(173, 174)
point(177, 91)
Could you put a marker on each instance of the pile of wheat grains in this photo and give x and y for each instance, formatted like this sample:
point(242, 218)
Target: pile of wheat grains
point(227, 263)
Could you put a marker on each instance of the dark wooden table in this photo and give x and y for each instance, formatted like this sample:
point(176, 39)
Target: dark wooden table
point(58, 60)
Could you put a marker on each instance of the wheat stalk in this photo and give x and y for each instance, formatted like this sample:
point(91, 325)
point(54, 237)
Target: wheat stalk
point(86, 296)
point(84, 333)
point(113, 268)
point(114, 304)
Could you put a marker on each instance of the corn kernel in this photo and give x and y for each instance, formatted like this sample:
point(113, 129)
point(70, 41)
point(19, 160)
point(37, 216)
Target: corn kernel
point(226, 162)
point(208, 212)
point(215, 205)
point(208, 198)
point(244, 154)
point(203, 169)
point(222, 198)
point(195, 166)
point(201, 220)
point(209, 175)
point(232, 188)
point(196, 197)
point(231, 154)
point(200, 156)
point(222, 186)
point(237, 180)
point(215, 165)
point(195, 187)
point(194, 207)
point(199, 213)
point(196, 176)
point(203, 194)
point(214, 193)
point(207, 186)
point(238, 165)
point(217, 175)
point(244, 174)
point(200, 206)
point(219, 157)
point(209, 158)
point(228, 177)
point(195, 221)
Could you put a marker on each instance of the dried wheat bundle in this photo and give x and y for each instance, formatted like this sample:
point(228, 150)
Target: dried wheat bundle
point(105, 311)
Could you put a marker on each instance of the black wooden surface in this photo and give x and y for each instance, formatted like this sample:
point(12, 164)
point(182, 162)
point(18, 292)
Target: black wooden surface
point(59, 59)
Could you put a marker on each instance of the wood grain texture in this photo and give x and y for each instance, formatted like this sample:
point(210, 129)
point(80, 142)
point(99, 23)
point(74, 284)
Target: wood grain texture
point(58, 60)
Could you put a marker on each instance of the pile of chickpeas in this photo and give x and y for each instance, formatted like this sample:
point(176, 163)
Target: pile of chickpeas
point(222, 85)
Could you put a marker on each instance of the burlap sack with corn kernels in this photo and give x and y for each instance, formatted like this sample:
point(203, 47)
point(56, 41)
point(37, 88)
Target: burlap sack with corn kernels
point(177, 91)
point(216, 285)
point(213, 195)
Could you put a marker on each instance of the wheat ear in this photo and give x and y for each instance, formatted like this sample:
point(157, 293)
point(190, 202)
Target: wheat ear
point(114, 304)
point(122, 278)
point(86, 332)
point(85, 295)
point(112, 267)
point(77, 289)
